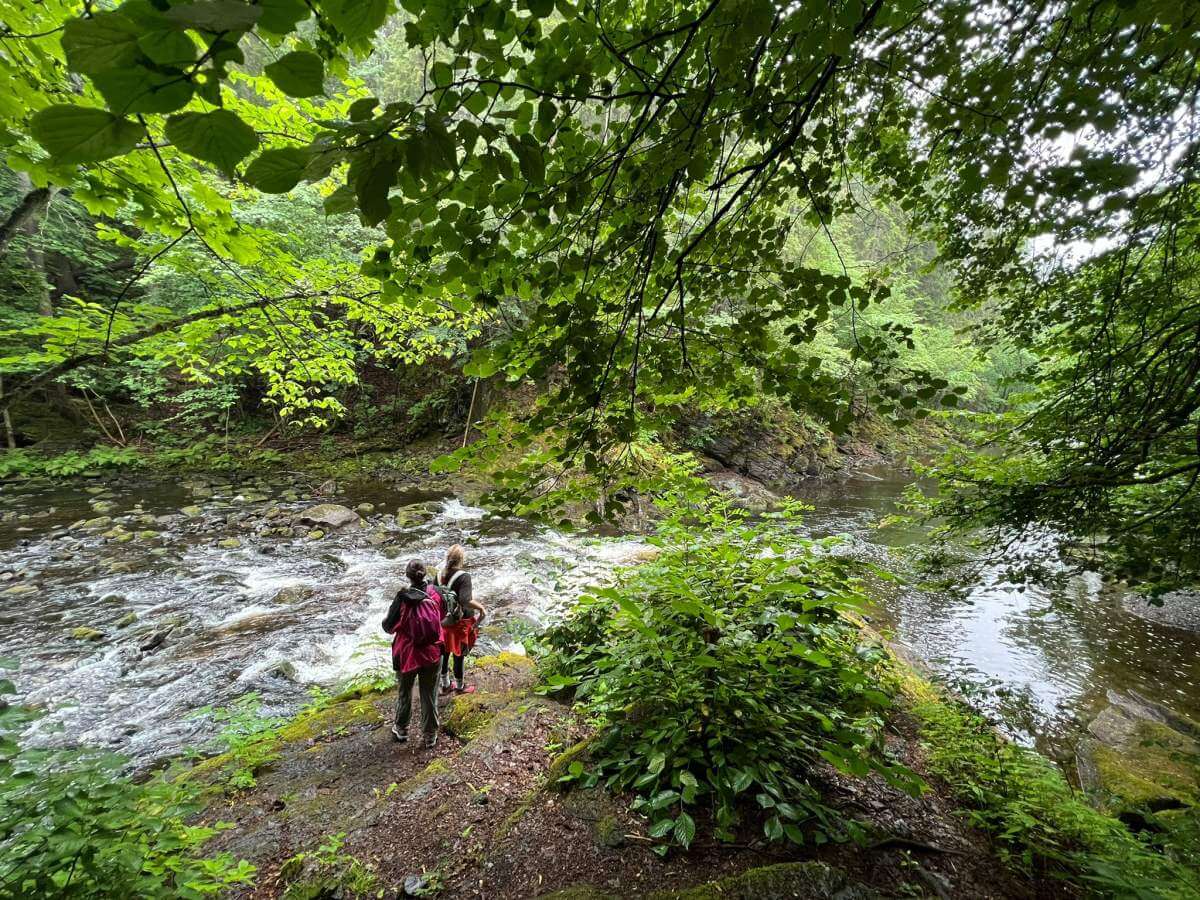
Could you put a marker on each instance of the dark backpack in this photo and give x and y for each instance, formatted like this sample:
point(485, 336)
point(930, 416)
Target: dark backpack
point(454, 610)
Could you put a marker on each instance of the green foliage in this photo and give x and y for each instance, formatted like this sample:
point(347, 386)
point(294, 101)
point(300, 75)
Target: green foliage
point(1042, 825)
point(721, 673)
point(25, 463)
point(247, 737)
point(73, 824)
point(327, 871)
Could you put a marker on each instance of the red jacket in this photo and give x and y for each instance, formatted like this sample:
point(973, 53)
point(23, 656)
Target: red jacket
point(406, 656)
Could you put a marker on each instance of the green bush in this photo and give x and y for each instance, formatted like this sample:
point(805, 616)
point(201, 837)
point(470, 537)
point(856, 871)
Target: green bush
point(73, 824)
point(720, 673)
point(1042, 826)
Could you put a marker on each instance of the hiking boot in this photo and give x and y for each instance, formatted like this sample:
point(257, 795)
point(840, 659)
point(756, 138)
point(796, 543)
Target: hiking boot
point(430, 741)
point(465, 689)
point(447, 684)
point(400, 737)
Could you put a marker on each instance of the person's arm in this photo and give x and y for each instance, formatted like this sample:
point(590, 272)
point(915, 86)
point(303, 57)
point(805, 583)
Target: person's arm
point(466, 596)
point(393, 613)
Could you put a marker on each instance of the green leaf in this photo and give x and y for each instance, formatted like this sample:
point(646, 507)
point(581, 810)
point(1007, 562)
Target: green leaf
point(661, 828)
point(107, 40)
point(216, 16)
point(361, 109)
point(300, 73)
point(218, 137)
point(168, 48)
point(139, 90)
point(685, 829)
point(82, 134)
point(278, 171)
point(529, 158)
point(282, 16)
point(7, 687)
point(356, 19)
point(541, 8)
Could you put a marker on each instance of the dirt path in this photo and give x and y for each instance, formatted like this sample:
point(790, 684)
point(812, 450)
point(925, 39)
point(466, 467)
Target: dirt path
point(478, 817)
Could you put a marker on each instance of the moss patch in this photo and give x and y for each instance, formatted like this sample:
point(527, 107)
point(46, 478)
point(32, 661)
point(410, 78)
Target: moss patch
point(472, 713)
point(562, 763)
point(505, 659)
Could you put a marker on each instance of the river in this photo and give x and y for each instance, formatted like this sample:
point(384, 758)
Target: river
point(238, 602)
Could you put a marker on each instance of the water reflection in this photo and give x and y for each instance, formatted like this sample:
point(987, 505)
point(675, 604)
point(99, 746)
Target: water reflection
point(1040, 659)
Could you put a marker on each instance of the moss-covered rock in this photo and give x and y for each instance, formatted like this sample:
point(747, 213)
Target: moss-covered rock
point(504, 659)
point(470, 714)
point(83, 633)
point(801, 880)
point(561, 764)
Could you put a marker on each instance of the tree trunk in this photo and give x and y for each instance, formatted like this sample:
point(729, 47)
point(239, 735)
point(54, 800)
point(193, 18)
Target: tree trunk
point(10, 439)
point(30, 208)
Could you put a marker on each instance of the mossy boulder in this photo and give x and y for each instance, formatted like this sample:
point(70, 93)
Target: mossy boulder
point(470, 714)
point(1140, 755)
point(505, 658)
point(83, 633)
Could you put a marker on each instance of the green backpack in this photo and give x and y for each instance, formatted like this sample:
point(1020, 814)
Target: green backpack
point(454, 610)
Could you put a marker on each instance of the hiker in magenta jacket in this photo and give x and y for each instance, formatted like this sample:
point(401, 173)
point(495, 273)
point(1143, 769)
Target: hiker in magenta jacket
point(414, 621)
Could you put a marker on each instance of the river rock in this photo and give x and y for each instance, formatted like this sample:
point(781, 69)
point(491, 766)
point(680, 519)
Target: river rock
point(743, 491)
point(415, 513)
point(155, 640)
point(19, 590)
point(191, 511)
point(315, 535)
point(83, 633)
point(230, 543)
point(378, 538)
point(284, 669)
point(331, 515)
point(126, 620)
point(97, 523)
point(103, 506)
point(365, 509)
point(294, 594)
point(1139, 753)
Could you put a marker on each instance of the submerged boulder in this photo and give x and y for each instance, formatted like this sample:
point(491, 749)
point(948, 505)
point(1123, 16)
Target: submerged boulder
point(331, 515)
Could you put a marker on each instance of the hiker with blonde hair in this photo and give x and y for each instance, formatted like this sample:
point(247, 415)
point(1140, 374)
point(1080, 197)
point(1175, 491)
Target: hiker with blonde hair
point(464, 615)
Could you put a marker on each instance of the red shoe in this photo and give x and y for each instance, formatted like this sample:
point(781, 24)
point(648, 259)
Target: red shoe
point(469, 689)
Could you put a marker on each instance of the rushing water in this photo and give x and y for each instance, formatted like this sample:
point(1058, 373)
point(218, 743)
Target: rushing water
point(243, 602)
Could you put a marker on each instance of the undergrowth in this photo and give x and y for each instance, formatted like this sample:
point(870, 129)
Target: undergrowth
point(722, 673)
point(1042, 826)
point(74, 824)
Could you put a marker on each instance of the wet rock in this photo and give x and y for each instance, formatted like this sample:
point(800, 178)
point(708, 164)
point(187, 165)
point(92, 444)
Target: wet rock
point(365, 509)
point(97, 523)
point(415, 885)
point(147, 534)
point(1140, 754)
point(284, 669)
point(743, 491)
point(191, 511)
point(331, 515)
point(378, 538)
point(84, 633)
point(103, 506)
point(230, 543)
point(295, 594)
point(416, 513)
point(126, 620)
point(19, 590)
point(155, 640)
point(315, 535)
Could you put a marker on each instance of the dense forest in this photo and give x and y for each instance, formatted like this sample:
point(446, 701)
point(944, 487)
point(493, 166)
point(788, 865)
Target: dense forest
point(621, 270)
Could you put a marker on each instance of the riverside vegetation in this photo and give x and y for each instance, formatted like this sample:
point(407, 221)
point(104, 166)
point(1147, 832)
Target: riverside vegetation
point(583, 251)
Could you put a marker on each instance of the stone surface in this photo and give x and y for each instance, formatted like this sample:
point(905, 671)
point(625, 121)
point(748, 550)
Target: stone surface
point(83, 633)
point(744, 491)
point(331, 515)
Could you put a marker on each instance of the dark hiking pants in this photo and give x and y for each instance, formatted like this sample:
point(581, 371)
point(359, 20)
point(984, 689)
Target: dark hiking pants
point(427, 683)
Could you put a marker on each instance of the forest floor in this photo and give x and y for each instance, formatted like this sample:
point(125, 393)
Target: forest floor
point(343, 810)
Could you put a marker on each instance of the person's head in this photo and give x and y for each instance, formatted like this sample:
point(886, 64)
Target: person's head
point(415, 570)
point(456, 558)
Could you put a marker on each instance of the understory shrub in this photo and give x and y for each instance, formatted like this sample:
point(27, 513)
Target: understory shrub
point(721, 673)
point(74, 824)
point(1042, 826)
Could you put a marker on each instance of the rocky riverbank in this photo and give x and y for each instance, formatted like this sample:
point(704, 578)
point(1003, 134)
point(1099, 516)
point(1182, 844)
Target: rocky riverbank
point(341, 810)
